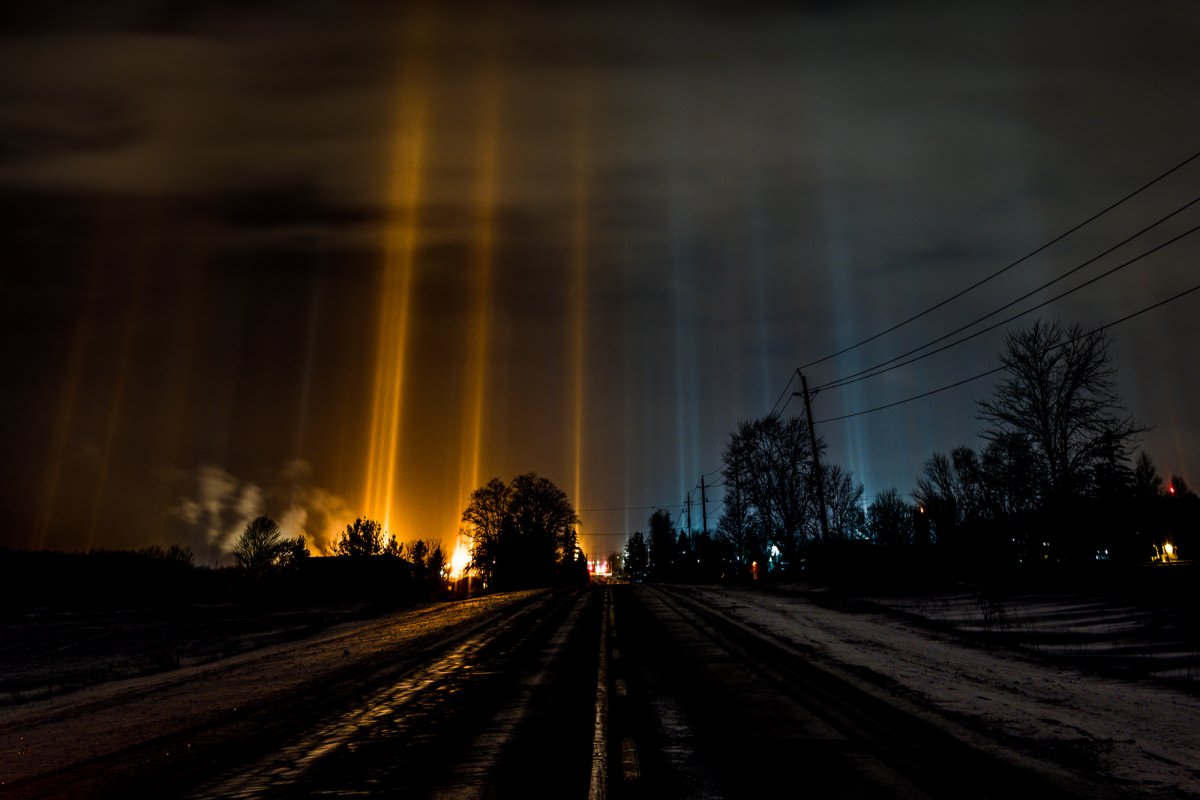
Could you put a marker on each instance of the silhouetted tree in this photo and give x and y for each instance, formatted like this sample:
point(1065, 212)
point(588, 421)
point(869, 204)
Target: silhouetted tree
point(1147, 484)
point(523, 534)
point(259, 546)
point(174, 554)
point(417, 553)
point(740, 525)
point(394, 548)
point(953, 493)
point(293, 552)
point(890, 519)
point(487, 518)
point(637, 557)
point(544, 523)
point(429, 564)
point(436, 566)
point(843, 499)
point(768, 466)
point(1059, 396)
point(363, 538)
point(1011, 477)
point(662, 546)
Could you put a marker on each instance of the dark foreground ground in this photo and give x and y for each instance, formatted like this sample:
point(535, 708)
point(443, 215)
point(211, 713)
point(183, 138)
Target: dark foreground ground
point(606, 692)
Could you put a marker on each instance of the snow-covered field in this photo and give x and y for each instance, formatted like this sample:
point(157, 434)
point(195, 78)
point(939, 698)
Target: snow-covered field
point(1093, 633)
point(1142, 734)
point(52, 733)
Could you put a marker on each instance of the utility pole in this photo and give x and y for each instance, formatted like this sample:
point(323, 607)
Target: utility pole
point(812, 438)
point(703, 505)
point(688, 505)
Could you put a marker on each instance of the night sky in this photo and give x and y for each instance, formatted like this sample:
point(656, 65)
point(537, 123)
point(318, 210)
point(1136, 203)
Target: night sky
point(319, 260)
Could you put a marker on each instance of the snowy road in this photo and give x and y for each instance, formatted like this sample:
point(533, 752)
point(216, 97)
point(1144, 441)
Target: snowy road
point(719, 705)
point(621, 692)
point(425, 703)
point(1142, 736)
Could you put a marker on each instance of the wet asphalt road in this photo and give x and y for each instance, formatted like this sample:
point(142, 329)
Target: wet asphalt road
point(505, 713)
point(621, 692)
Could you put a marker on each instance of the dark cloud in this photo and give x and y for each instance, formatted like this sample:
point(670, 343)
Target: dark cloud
point(290, 203)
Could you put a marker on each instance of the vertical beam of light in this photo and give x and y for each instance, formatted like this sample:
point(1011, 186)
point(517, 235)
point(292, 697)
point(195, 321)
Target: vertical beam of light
point(480, 309)
point(64, 421)
point(176, 420)
point(578, 304)
point(70, 391)
point(687, 416)
point(316, 283)
point(837, 258)
point(395, 298)
point(394, 310)
point(758, 225)
point(116, 402)
point(681, 233)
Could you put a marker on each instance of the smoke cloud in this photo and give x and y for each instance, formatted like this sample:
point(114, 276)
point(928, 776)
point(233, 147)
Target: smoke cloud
point(220, 504)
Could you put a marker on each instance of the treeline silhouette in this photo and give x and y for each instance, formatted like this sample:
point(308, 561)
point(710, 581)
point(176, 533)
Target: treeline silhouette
point(369, 570)
point(523, 534)
point(1053, 491)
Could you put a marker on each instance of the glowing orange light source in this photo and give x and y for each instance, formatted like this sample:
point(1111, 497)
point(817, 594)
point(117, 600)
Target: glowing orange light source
point(459, 561)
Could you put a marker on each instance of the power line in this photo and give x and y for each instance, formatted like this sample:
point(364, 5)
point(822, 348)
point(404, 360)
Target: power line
point(784, 396)
point(862, 374)
point(994, 370)
point(785, 404)
point(881, 369)
point(618, 508)
point(1006, 268)
point(921, 396)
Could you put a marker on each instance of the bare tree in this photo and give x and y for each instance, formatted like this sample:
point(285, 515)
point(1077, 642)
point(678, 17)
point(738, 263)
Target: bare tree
point(768, 465)
point(260, 546)
point(843, 497)
point(740, 525)
point(953, 491)
point(1059, 396)
point(1147, 483)
point(890, 519)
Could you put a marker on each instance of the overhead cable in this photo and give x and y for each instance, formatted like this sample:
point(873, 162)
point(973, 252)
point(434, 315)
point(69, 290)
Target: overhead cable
point(994, 370)
point(1007, 267)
